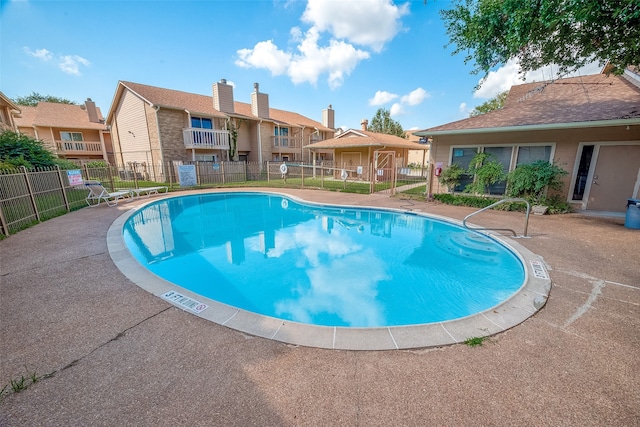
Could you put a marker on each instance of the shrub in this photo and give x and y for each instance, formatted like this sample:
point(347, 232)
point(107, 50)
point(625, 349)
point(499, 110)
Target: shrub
point(531, 181)
point(486, 171)
point(450, 177)
point(22, 150)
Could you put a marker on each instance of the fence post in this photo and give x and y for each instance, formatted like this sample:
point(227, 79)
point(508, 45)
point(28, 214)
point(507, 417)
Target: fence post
point(3, 221)
point(222, 167)
point(268, 174)
point(302, 173)
point(31, 195)
point(64, 193)
point(170, 173)
point(198, 173)
point(134, 166)
point(321, 176)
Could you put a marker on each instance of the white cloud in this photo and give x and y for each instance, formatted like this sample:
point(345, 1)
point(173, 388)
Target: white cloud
point(463, 107)
point(264, 55)
point(368, 23)
point(396, 110)
point(43, 54)
point(415, 97)
point(69, 64)
point(382, 97)
point(510, 75)
point(336, 60)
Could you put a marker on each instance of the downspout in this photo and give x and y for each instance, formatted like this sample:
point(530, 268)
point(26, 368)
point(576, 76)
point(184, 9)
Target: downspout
point(104, 149)
point(193, 150)
point(260, 143)
point(164, 172)
point(302, 143)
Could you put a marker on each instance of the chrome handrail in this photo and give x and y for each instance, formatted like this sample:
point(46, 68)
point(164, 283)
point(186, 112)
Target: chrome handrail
point(526, 220)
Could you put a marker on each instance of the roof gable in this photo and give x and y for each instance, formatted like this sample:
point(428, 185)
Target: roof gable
point(203, 104)
point(51, 114)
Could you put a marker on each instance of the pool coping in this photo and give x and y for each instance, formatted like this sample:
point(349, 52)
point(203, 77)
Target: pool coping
point(523, 304)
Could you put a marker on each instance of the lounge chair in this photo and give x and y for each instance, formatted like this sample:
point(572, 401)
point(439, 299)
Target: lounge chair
point(97, 193)
point(138, 192)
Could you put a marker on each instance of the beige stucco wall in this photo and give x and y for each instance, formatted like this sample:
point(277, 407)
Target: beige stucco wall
point(565, 144)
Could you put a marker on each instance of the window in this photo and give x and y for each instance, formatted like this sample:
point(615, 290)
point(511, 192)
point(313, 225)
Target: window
point(201, 123)
point(501, 155)
point(281, 137)
point(526, 154)
point(463, 156)
point(71, 136)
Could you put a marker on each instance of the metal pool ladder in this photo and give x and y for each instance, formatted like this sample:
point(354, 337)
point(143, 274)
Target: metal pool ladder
point(526, 219)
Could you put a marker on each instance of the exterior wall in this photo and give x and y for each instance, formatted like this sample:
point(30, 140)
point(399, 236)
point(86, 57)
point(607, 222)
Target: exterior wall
point(6, 119)
point(154, 139)
point(171, 123)
point(565, 143)
point(28, 131)
point(131, 130)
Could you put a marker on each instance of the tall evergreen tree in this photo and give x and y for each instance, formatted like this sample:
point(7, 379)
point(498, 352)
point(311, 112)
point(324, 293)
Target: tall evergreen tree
point(383, 123)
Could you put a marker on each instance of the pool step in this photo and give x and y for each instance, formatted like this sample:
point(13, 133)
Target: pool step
point(468, 245)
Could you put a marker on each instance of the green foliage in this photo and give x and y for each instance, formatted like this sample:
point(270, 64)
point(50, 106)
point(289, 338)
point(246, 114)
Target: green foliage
point(450, 177)
point(476, 202)
point(495, 103)
point(383, 123)
point(22, 150)
point(532, 181)
point(538, 33)
point(475, 341)
point(66, 164)
point(486, 172)
point(32, 99)
point(97, 164)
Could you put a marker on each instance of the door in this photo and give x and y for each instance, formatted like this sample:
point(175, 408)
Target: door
point(615, 177)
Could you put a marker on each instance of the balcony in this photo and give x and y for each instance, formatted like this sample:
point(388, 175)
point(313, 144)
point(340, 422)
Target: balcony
point(78, 148)
point(285, 143)
point(206, 139)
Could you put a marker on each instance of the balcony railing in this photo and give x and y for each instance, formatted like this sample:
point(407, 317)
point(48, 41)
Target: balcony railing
point(285, 142)
point(78, 148)
point(206, 138)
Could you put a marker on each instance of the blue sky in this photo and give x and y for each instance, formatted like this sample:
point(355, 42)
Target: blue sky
point(357, 55)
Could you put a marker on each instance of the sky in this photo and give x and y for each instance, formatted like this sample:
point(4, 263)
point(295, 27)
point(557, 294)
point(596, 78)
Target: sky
point(356, 55)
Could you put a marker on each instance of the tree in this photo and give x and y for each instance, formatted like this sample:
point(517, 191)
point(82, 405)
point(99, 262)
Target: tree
point(20, 150)
point(568, 33)
point(383, 123)
point(33, 99)
point(495, 103)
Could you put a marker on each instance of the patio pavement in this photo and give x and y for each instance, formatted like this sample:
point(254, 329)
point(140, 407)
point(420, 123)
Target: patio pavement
point(110, 353)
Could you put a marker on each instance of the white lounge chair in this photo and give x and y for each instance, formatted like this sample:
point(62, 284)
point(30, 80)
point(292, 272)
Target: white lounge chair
point(138, 192)
point(98, 193)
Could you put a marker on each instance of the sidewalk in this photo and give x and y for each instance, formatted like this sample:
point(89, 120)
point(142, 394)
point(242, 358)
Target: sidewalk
point(113, 354)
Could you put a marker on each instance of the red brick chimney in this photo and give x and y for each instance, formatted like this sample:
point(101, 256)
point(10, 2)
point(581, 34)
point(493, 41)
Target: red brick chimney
point(364, 123)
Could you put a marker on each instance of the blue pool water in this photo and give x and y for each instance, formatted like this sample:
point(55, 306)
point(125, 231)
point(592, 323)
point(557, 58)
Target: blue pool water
point(322, 265)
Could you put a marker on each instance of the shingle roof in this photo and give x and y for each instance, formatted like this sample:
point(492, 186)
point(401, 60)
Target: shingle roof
point(592, 98)
point(204, 104)
point(51, 114)
point(363, 138)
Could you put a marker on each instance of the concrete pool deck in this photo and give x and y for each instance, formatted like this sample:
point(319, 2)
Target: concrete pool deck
point(111, 353)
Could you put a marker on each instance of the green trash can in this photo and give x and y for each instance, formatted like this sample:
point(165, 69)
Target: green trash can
point(632, 219)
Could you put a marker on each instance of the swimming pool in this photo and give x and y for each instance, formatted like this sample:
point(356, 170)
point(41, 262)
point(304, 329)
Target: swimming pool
point(342, 268)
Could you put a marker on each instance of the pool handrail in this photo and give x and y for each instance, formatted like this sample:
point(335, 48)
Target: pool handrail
point(526, 219)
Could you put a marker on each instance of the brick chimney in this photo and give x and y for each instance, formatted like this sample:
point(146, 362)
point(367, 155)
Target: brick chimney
point(364, 123)
point(259, 103)
point(92, 111)
point(223, 96)
point(328, 118)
